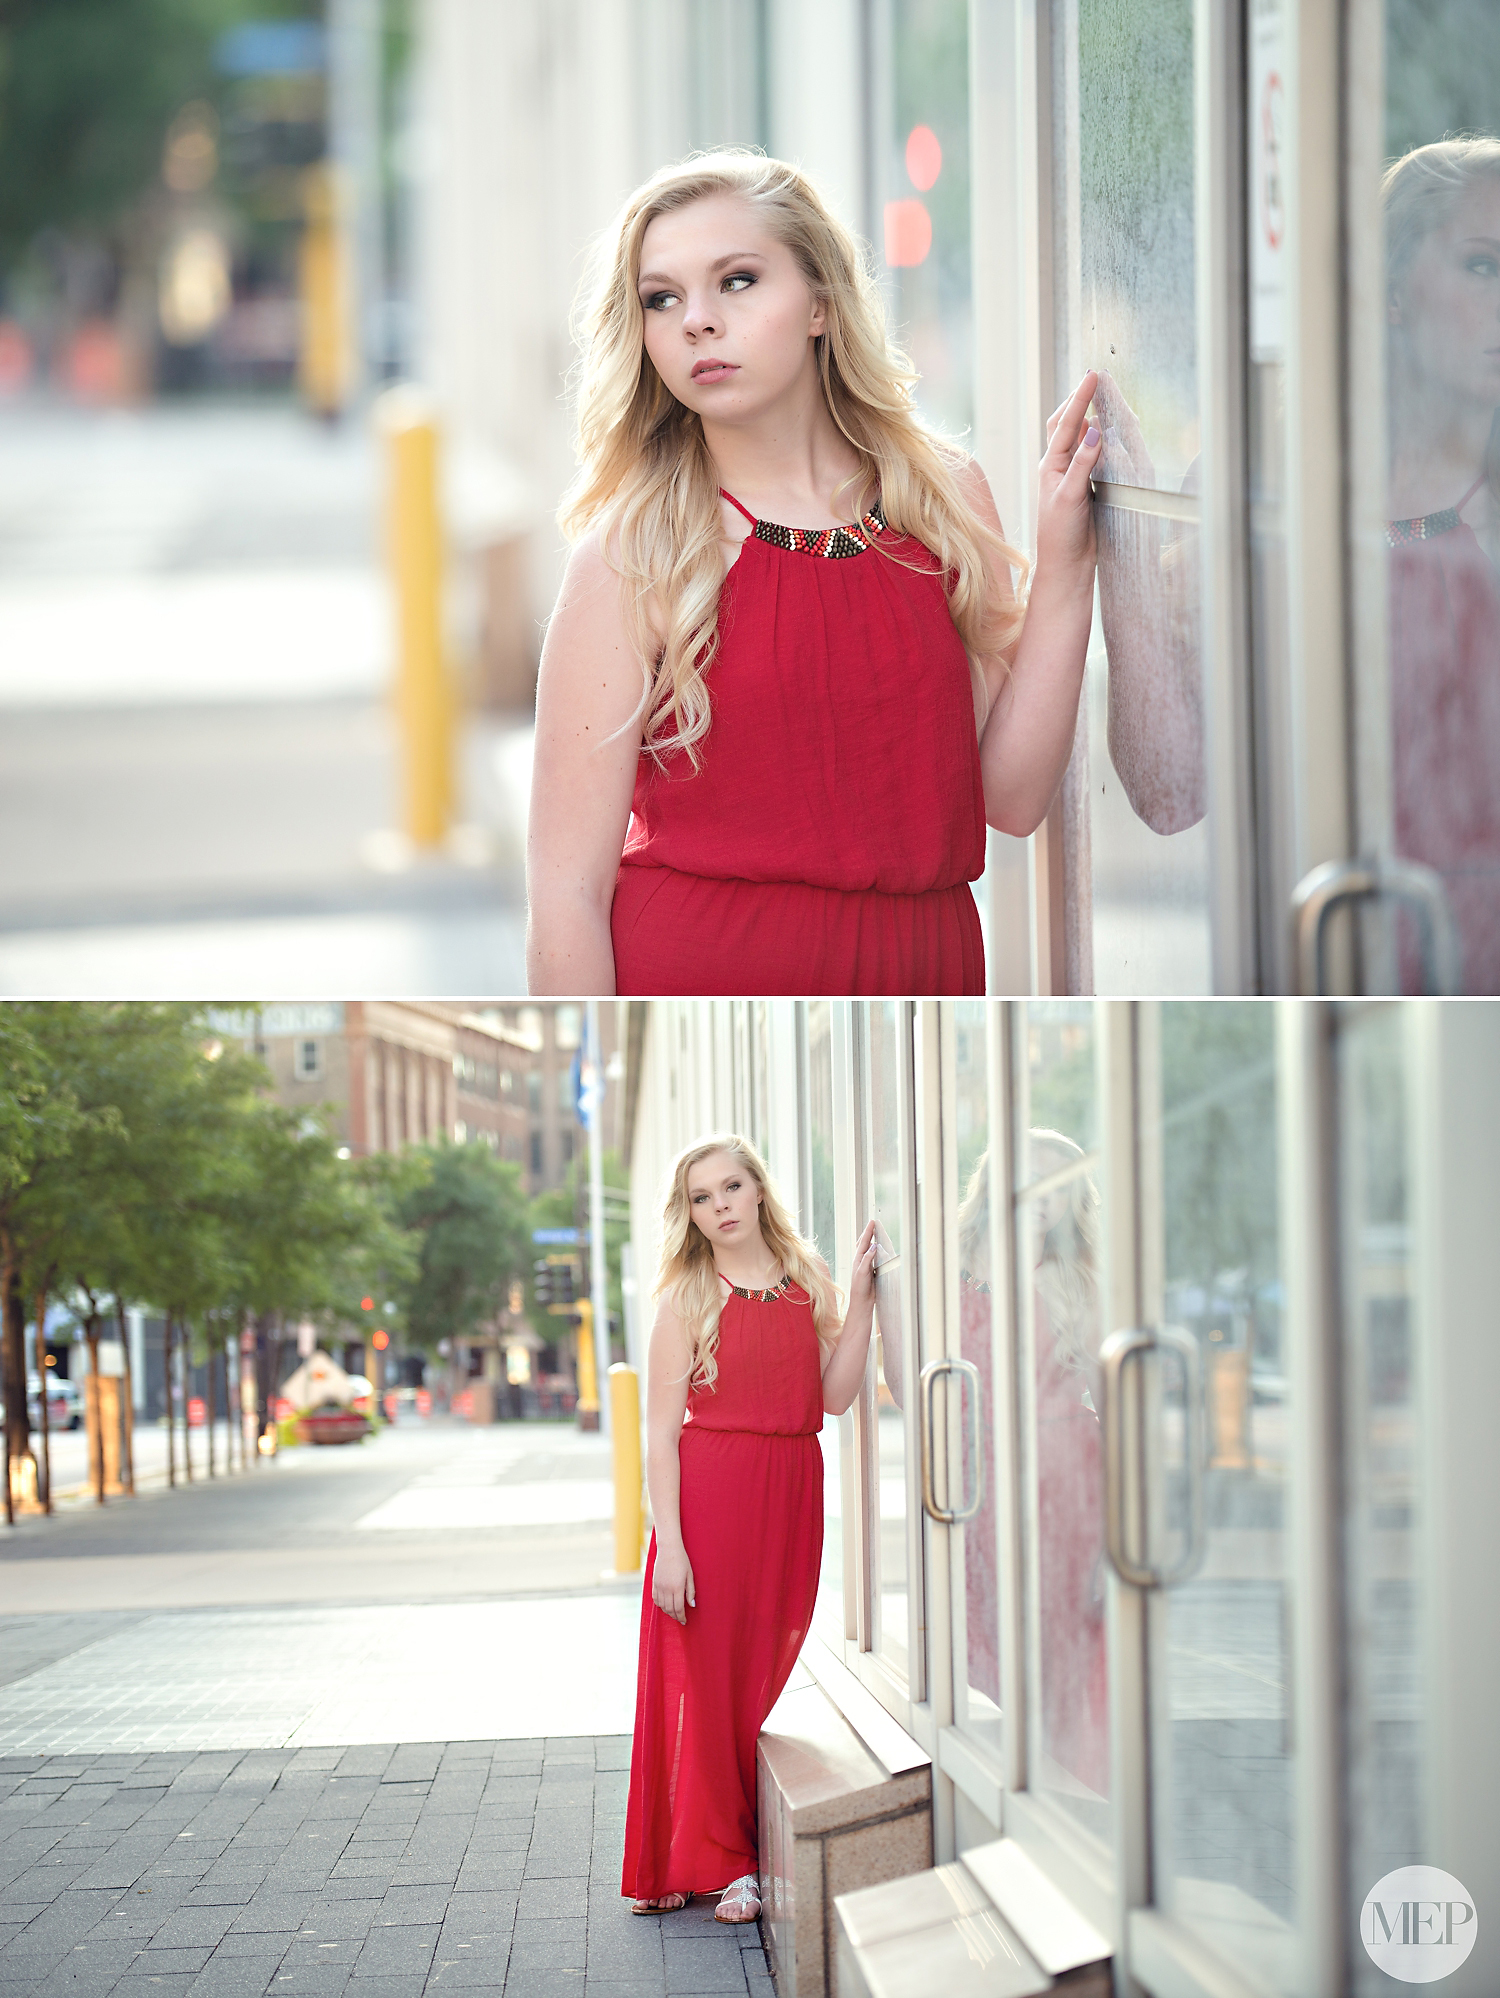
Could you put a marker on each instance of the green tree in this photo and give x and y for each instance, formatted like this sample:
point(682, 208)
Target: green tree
point(87, 90)
point(471, 1215)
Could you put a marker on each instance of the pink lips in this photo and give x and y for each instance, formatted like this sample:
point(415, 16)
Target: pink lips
point(714, 371)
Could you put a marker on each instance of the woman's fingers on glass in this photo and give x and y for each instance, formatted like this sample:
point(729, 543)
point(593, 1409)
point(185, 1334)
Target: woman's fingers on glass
point(1070, 422)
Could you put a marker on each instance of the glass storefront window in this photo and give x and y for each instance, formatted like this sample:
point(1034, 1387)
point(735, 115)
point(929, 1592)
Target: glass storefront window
point(978, 1691)
point(1222, 1752)
point(1122, 264)
point(889, 1140)
point(1431, 788)
point(923, 219)
point(1058, 1243)
point(1383, 1724)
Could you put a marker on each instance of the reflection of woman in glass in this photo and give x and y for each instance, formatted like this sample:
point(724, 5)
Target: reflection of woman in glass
point(1069, 1466)
point(765, 754)
point(976, 1337)
point(1150, 610)
point(1442, 210)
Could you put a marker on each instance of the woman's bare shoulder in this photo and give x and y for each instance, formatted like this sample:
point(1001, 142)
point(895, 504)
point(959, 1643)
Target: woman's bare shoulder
point(975, 490)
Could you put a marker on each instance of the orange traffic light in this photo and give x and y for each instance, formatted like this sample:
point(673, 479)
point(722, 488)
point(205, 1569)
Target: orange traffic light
point(380, 1341)
point(367, 1304)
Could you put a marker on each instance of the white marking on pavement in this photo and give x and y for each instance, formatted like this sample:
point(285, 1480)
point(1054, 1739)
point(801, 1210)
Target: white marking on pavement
point(265, 635)
point(444, 1507)
point(326, 1678)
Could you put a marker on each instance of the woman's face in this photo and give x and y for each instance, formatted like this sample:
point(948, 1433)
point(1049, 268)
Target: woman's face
point(1448, 303)
point(724, 1199)
point(729, 318)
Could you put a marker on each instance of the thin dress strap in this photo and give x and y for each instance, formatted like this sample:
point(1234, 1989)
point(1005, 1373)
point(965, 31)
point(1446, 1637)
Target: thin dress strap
point(746, 511)
point(1458, 509)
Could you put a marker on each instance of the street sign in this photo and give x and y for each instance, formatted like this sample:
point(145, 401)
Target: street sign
point(559, 1237)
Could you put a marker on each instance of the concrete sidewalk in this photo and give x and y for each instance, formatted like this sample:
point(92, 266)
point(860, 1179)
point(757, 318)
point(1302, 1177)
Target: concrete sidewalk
point(386, 1872)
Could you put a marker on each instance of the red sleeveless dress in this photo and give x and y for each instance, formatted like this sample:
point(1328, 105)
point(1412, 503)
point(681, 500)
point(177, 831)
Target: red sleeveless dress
point(752, 1524)
point(827, 840)
point(1445, 727)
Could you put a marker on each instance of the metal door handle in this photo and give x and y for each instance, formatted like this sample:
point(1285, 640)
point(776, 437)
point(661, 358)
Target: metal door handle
point(1114, 1355)
point(1319, 892)
point(928, 1379)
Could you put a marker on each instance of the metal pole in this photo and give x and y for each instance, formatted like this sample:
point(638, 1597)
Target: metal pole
point(354, 125)
point(598, 1260)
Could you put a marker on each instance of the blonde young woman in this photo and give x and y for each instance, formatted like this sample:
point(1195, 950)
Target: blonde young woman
point(804, 727)
point(1442, 215)
point(746, 1355)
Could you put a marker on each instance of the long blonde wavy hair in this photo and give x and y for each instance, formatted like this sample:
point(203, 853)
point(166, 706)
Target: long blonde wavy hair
point(687, 1274)
point(1067, 1271)
point(1418, 193)
point(646, 482)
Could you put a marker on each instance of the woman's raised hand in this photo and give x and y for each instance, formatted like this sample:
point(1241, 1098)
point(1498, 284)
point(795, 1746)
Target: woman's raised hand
point(672, 1583)
point(1065, 516)
point(866, 1256)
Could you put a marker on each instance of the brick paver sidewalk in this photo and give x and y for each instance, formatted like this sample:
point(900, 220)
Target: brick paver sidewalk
point(390, 1872)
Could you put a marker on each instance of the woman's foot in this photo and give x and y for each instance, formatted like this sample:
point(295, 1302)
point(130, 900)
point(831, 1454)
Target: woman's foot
point(666, 1904)
point(740, 1901)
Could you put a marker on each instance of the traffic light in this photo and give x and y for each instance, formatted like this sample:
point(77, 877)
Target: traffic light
point(541, 1279)
point(565, 1285)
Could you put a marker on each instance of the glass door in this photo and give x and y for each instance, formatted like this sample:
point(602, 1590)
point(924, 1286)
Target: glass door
point(887, 1139)
point(1119, 166)
point(1222, 1402)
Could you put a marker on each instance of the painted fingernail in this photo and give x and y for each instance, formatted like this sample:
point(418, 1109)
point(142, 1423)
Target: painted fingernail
point(1091, 436)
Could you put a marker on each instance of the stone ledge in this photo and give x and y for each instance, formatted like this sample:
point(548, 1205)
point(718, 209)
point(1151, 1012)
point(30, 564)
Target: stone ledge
point(833, 1818)
point(942, 1931)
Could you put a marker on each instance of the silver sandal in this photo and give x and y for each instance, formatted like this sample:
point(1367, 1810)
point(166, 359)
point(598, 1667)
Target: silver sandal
point(740, 1901)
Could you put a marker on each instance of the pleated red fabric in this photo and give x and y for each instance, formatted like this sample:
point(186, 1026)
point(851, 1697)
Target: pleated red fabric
point(752, 1524)
point(826, 843)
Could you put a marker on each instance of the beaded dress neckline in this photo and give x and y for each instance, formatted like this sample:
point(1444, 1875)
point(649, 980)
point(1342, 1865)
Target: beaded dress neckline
point(1427, 526)
point(835, 544)
point(767, 1296)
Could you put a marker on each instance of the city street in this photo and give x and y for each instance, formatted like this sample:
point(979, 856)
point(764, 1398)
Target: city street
point(199, 783)
point(358, 1716)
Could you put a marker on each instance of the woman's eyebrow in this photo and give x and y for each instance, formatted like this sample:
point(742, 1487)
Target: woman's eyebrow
point(718, 264)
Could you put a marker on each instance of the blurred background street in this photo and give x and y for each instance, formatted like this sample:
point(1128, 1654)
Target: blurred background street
point(199, 786)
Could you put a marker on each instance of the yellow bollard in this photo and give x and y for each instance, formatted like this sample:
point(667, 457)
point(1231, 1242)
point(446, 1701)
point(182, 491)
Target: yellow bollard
point(325, 355)
point(625, 1421)
point(588, 1378)
point(424, 691)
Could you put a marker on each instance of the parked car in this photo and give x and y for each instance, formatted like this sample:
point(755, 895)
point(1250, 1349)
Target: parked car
point(64, 1403)
point(333, 1424)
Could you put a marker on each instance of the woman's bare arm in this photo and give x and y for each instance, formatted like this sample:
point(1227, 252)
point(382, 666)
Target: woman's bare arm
point(1150, 610)
point(583, 777)
point(667, 1365)
point(844, 1362)
point(1028, 735)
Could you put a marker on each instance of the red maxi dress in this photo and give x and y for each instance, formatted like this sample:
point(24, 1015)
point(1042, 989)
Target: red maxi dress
point(826, 843)
point(752, 1525)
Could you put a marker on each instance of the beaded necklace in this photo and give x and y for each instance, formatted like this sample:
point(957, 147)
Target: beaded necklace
point(766, 1296)
point(1426, 526)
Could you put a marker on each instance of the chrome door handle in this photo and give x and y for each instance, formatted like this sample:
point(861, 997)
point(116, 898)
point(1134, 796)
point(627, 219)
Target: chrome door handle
point(1114, 1355)
point(928, 1379)
point(1321, 890)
